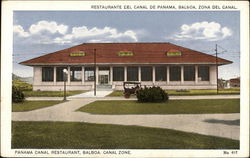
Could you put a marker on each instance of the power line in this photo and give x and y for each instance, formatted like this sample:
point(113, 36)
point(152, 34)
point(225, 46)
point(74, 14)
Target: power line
point(103, 49)
point(216, 52)
point(109, 49)
point(221, 47)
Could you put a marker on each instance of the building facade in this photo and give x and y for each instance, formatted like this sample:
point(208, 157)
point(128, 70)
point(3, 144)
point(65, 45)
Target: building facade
point(234, 82)
point(153, 64)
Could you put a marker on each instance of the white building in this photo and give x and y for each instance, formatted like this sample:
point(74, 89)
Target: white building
point(161, 64)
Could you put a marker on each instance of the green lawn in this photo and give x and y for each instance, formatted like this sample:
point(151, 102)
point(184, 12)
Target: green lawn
point(78, 135)
point(118, 94)
point(190, 92)
point(32, 105)
point(50, 93)
point(204, 106)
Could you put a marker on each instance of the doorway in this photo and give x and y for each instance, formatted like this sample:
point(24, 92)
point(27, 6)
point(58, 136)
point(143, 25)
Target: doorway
point(103, 78)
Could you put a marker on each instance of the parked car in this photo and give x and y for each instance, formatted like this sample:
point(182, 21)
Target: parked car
point(131, 88)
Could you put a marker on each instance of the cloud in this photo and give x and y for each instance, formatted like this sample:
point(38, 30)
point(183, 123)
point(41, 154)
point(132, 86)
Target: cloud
point(51, 27)
point(49, 32)
point(19, 31)
point(95, 34)
point(42, 32)
point(210, 31)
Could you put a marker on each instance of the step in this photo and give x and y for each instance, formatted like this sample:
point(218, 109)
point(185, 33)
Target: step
point(104, 87)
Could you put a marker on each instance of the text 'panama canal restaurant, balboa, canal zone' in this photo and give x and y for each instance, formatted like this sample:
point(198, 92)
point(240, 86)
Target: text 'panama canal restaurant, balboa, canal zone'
point(160, 64)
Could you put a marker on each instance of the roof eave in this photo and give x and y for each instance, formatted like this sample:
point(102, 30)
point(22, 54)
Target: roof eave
point(202, 63)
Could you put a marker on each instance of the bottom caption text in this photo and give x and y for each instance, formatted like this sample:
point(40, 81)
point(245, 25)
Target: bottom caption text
point(72, 152)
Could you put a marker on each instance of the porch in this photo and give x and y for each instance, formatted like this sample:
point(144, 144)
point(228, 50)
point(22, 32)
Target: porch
point(113, 76)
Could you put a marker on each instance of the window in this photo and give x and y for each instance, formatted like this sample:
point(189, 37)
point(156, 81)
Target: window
point(118, 74)
point(47, 74)
point(89, 74)
point(173, 54)
point(77, 54)
point(132, 73)
point(189, 73)
point(146, 73)
point(203, 73)
point(175, 73)
point(76, 73)
point(160, 73)
point(104, 68)
point(125, 53)
point(59, 74)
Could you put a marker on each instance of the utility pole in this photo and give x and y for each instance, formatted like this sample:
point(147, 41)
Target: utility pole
point(65, 73)
point(216, 52)
point(94, 72)
point(64, 91)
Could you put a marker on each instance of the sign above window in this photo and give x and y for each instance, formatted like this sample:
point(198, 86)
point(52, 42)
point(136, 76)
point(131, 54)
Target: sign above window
point(173, 53)
point(77, 54)
point(125, 53)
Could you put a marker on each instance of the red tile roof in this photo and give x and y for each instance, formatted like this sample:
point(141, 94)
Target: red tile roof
point(235, 80)
point(142, 53)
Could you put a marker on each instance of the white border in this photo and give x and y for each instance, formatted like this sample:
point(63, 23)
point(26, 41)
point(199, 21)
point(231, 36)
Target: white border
point(6, 69)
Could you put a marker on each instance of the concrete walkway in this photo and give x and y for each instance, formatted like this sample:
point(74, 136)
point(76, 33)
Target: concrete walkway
point(206, 97)
point(222, 125)
point(89, 95)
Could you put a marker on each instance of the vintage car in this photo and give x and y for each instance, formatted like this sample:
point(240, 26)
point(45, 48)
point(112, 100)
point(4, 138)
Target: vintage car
point(131, 88)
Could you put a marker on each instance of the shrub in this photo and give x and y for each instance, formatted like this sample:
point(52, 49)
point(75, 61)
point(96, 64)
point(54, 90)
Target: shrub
point(152, 94)
point(22, 85)
point(17, 95)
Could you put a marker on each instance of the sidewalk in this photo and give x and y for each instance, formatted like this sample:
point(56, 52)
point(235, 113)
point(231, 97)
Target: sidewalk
point(221, 125)
point(89, 95)
point(206, 97)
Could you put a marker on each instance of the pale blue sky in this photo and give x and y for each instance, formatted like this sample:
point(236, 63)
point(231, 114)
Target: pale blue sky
point(39, 32)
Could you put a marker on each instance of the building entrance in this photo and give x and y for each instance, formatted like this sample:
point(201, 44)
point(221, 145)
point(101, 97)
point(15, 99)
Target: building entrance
point(103, 78)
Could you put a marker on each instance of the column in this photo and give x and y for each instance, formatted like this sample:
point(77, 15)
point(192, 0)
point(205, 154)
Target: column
point(196, 74)
point(168, 76)
point(96, 74)
point(139, 73)
point(182, 74)
point(54, 75)
point(37, 71)
point(125, 73)
point(111, 75)
point(68, 74)
point(83, 74)
point(213, 75)
point(37, 77)
point(153, 75)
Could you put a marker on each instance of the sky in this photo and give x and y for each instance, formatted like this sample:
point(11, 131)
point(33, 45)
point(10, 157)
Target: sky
point(37, 33)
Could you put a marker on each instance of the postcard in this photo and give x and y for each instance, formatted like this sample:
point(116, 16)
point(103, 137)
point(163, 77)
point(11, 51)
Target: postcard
point(125, 79)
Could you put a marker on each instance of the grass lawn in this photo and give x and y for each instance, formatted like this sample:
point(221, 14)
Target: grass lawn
point(190, 92)
point(32, 105)
point(119, 94)
point(78, 135)
point(204, 106)
point(50, 93)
